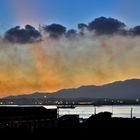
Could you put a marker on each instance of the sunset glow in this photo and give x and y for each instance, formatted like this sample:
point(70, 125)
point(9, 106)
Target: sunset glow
point(53, 64)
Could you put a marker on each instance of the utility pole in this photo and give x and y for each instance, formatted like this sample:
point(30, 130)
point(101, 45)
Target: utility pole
point(94, 110)
point(131, 113)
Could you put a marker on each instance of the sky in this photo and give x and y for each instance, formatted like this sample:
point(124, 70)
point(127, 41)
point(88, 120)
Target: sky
point(51, 65)
point(67, 12)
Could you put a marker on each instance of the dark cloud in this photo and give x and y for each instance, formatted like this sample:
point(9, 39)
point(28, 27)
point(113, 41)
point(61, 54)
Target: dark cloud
point(135, 31)
point(55, 30)
point(22, 35)
point(100, 26)
point(71, 34)
point(103, 25)
point(82, 27)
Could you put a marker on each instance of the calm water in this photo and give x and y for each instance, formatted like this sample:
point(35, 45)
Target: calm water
point(118, 111)
point(87, 111)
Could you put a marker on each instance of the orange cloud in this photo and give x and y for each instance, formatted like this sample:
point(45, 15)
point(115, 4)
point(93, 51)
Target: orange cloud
point(52, 64)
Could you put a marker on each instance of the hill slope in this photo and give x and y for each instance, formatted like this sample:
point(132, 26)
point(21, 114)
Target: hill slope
point(129, 89)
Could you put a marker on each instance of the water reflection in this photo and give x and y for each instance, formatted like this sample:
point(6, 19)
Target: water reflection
point(118, 111)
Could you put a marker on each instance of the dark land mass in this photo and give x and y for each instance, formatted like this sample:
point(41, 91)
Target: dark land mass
point(38, 121)
point(129, 89)
point(120, 92)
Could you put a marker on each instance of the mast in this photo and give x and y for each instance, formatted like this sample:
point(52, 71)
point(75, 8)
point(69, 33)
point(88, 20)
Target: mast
point(131, 113)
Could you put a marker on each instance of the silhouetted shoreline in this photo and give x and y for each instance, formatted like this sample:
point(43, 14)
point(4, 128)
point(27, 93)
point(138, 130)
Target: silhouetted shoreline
point(38, 120)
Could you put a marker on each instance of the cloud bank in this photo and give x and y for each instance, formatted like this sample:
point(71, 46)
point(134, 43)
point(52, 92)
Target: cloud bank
point(52, 58)
point(18, 35)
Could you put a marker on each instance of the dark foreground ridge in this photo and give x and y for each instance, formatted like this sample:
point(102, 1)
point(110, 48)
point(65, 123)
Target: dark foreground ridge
point(38, 120)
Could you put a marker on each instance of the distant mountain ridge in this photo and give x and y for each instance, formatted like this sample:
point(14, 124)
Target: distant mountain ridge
point(129, 89)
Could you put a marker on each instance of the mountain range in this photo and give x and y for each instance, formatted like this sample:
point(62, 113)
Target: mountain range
point(128, 89)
